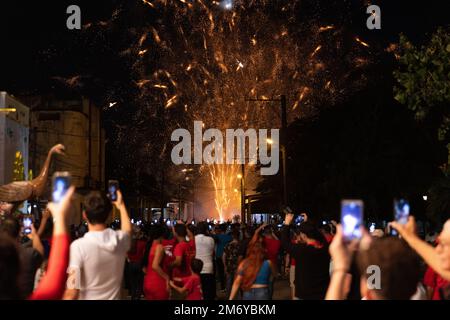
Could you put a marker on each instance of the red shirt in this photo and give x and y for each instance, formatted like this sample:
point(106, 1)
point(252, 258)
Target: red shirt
point(193, 286)
point(435, 281)
point(138, 251)
point(272, 249)
point(169, 245)
point(182, 249)
point(191, 249)
point(328, 238)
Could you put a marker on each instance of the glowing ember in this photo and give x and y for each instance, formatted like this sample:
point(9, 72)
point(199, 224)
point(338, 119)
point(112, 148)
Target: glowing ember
point(361, 42)
point(316, 50)
point(214, 56)
point(326, 28)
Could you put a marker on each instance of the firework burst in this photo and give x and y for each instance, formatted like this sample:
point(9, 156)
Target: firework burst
point(212, 57)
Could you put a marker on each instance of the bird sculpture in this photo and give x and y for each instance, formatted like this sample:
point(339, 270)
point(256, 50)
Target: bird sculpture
point(14, 193)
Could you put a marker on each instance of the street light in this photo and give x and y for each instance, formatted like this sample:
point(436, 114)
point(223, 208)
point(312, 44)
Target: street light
point(239, 176)
point(283, 161)
point(283, 141)
point(188, 177)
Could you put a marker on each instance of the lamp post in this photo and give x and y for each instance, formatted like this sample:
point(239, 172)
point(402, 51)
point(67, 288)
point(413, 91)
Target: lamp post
point(241, 176)
point(283, 162)
point(188, 177)
point(283, 141)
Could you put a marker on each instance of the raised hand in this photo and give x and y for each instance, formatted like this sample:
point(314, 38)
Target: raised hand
point(407, 230)
point(288, 218)
point(119, 202)
point(60, 212)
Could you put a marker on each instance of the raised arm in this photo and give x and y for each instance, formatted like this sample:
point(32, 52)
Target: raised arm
point(125, 222)
point(36, 240)
point(285, 239)
point(45, 216)
point(53, 283)
point(425, 250)
point(341, 265)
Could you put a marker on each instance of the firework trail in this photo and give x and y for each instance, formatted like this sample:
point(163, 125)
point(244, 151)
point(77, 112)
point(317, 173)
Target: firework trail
point(212, 56)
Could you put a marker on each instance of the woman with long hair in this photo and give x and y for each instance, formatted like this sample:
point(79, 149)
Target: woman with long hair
point(254, 272)
point(156, 281)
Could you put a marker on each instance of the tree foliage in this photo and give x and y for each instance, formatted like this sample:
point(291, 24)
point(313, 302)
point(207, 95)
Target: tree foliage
point(424, 78)
point(423, 86)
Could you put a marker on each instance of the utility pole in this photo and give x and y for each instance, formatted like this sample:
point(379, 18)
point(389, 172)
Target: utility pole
point(283, 133)
point(161, 218)
point(283, 145)
point(179, 201)
point(193, 201)
point(243, 213)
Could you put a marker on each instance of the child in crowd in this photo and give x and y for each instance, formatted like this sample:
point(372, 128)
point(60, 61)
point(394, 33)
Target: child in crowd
point(192, 287)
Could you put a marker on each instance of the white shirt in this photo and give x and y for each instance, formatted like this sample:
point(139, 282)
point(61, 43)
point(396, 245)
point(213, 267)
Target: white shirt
point(97, 261)
point(204, 250)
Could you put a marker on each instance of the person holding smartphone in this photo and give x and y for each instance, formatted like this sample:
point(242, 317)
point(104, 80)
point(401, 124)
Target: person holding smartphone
point(52, 285)
point(438, 258)
point(31, 251)
point(399, 267)
point(88, 278)
point(312, 271)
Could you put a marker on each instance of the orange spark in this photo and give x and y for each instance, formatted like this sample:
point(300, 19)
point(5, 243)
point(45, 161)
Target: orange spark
point(316, 50)
point(142, 83)
point(362, 42)
point(321, 29)
point(171, 101)
point(148, 3)
point(156, 36)
point(142, 39)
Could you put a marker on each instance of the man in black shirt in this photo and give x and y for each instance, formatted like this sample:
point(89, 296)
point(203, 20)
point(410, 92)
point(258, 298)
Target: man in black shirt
point(312, 260)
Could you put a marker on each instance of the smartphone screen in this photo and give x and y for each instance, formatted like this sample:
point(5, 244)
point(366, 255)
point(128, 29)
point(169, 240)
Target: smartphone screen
point(27, 221)
point(351, 218)
point(299, 219)
point(113, 186)
point(401, 213)
point(61, 183)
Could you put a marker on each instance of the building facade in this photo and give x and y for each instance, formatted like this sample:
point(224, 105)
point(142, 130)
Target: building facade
point(76, 123)
point(14, 137)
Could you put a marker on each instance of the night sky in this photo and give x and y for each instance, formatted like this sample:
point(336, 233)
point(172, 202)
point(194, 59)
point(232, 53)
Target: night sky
point(35, 38)
point(41, 55)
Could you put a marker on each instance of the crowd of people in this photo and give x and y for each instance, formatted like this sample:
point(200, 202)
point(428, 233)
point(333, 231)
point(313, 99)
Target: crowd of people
point(188, 260)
